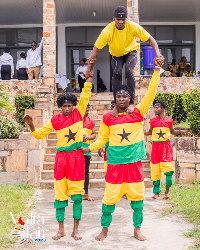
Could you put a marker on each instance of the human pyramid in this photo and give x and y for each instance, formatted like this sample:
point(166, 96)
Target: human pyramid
point(121, 130)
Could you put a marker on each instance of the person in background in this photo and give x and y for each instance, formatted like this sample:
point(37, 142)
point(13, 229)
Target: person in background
point(34, 61)
point(101, 87)
point(141, 64)
point(120, 36)
point(161, 126)
point(81, 71)
point(188, 72)
point(21, 67)
point(7, 66)
point(173, 68)
point(182, 65)
point(90, 134)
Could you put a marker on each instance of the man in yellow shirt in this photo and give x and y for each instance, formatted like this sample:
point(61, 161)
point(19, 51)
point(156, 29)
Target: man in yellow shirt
point(120, 36)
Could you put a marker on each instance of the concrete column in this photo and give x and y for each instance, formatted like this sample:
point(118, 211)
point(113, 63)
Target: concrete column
point(49, 34)
point(61, 50)
point(197, 44)
point(133, 15)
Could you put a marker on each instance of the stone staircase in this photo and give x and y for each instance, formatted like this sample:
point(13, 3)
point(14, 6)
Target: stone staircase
point(100, 104)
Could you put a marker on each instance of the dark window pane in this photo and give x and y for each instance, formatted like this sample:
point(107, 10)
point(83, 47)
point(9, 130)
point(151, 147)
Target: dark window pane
point(75, 35)
point(165, 34)
point(185, 34)
point(26, 36)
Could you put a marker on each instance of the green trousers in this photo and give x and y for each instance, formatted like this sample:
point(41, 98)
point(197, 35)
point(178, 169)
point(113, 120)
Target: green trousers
point(77, 208)
point(107, 211)
point(169, 181)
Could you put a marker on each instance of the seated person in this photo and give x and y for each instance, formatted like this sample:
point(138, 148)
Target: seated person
point(101, 87)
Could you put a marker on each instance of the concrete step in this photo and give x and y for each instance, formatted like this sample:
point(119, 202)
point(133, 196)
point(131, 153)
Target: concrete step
point(48, 165)
point(49, 158)
point(50, 150)
point(97, 164)
point(96, 174)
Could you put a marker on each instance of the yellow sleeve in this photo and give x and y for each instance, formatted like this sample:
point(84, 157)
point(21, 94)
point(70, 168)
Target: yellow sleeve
point(103, 137)
point(84, 98)
point(150, 95)
point(41, 133)
point(103, 38)
point(141, 33)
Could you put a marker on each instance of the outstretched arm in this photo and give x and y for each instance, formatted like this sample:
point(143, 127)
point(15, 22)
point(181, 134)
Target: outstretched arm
point(179, 132)
point(151, 92)
point(149, 132)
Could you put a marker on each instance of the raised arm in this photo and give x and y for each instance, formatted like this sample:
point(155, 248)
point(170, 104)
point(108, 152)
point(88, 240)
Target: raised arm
point(151, 92)
point(38, 133)
point(84, 97)
point(91, 62)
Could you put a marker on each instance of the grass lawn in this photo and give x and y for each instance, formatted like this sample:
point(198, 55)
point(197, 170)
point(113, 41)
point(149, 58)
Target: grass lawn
point(14, 198)
point(186, 200)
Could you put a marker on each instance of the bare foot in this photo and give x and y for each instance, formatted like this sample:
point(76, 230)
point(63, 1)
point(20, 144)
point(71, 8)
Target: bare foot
point(155, 196)
point(58, 235)
point(102, 235)
point(167, 195)
point(138, 235)
point(87, 197)
point(76, 236)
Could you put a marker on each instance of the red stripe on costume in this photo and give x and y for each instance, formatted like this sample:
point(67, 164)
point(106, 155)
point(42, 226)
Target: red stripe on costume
point(161, 152)
point(88, 122)
point(70, 165)
point(128, 173)
point(60, 121)
point(165, 122)
point(134, 117)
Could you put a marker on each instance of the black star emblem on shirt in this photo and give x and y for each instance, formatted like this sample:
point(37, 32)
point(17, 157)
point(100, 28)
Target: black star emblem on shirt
point(124, 135)
point(71, 136)
point(161, 134)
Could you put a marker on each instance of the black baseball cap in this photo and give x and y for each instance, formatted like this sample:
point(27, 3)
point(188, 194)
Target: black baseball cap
point(120, 12)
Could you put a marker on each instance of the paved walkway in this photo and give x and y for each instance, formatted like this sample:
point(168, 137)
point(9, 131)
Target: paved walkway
point(162, 232)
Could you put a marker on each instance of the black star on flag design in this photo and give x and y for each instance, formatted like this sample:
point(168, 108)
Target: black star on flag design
point(71, 136)
point(124, 135)
point(161, 134)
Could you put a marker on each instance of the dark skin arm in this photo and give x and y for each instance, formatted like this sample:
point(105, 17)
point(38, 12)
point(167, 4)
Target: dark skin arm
point(149, 132)
point(101, 152)
point(179, 132)
point(160, 59)
point(90, 137)
point(29, 120)
point(91, 62)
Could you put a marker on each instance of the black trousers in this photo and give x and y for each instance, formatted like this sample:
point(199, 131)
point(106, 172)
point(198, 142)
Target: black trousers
point(87, 165)
point(130, 61)
point(21, 74)
point(81, 82)
point(5, 72)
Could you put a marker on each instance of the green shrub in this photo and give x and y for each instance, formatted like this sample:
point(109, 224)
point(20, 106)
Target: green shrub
point(9, 129)
point(23, 102)
point(4, 99)
point(191, 104)
point(174, 104)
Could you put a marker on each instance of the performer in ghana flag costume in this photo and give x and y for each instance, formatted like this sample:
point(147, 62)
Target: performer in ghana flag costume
point(126, 149)
point(162, 155)
point(69, 170)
